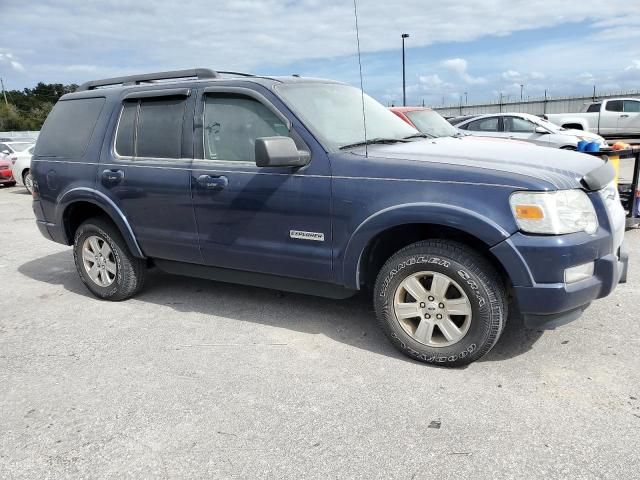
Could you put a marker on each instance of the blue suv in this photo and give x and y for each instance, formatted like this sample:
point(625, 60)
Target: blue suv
point(284, 183)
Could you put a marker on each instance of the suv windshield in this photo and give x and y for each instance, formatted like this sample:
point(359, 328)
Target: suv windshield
point(333, 112)
point(431, 123)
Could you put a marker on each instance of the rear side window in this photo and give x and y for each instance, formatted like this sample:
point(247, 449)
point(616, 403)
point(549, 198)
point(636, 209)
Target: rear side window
point(594, 107)
point(151, 128)
point(614, 106)
point(68, 128)
point(484, 125)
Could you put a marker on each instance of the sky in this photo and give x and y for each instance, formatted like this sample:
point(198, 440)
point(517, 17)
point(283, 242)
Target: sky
point(463, 49)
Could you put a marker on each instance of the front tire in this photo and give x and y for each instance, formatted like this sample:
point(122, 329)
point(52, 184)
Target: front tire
point(105, 264)
point(27, 181)
point(440, 302)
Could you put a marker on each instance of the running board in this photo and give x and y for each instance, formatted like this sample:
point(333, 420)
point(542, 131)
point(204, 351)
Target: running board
point(262, 280)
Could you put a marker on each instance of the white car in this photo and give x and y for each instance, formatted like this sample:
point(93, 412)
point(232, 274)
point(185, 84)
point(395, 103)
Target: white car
point(20, 155)
point(527, 128)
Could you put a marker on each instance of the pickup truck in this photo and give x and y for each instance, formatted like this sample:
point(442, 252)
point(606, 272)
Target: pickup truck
point(613, 117)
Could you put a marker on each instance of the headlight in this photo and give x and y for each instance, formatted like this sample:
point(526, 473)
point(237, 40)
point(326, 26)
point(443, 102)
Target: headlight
point(554, 213)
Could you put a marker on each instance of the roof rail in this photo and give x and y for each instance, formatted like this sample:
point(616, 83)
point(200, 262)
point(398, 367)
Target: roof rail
point(237, 74)
point(198, 73)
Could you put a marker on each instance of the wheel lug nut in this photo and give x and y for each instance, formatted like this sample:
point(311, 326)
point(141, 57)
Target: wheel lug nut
point(431, 299)
point(427, 316)
point(423, 305)
point(441, 305)
point(439, 317)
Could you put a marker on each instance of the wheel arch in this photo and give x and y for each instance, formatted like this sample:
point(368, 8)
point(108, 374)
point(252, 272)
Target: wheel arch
point(386, 232)
point(79, 204)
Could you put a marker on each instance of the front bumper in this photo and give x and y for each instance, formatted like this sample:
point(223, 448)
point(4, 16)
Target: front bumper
point(536, 268)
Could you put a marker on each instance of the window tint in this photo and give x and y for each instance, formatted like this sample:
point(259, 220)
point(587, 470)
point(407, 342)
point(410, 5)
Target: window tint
point(232, 124)
point(631, 106)
point(126, 129)
point(159, 131)
point(614, 106)
point(68, 128)
point(594, 107)
point(518, 125)
point(484, 125)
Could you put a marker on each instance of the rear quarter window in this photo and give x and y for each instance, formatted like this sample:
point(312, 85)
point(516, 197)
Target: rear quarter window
point(68, 128)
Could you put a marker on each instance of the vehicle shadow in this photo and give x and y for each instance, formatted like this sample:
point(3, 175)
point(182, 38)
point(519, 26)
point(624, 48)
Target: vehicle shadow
point(350, 321)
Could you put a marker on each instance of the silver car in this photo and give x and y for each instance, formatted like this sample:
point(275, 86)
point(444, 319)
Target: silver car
point(527, 128)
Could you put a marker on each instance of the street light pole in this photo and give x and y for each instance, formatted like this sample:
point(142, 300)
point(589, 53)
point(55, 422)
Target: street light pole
point(521, 92)
point(404, 77)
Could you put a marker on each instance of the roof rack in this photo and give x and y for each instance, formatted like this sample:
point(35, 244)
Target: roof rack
point(237, 74)
point(198, 73)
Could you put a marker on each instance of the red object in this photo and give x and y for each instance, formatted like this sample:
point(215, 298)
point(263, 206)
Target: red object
point(6, 175)
point(402, 111)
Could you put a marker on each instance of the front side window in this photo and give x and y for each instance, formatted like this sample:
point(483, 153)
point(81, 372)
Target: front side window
point(518, 125)
point(632, 106)
point(484, 125)
point(232, 123)
point(151, 128)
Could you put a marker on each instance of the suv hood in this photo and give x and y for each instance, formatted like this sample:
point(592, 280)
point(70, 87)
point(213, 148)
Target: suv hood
point(562, 169)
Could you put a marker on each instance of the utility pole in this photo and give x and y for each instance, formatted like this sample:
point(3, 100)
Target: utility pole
point(466, 98)
point(4, 94)
point(404, 78)
point(521, 92)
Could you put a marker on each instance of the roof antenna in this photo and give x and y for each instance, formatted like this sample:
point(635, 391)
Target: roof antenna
point(364, 117)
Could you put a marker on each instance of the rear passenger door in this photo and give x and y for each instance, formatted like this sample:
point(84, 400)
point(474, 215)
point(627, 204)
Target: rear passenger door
point(267, 220)
point(146, 172)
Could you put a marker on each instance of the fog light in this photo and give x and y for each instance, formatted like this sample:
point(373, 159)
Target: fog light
point(576, 274)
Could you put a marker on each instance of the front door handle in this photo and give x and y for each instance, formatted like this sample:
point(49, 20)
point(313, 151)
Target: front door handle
point(624, 116)
point(213, 182)
point(112, 177)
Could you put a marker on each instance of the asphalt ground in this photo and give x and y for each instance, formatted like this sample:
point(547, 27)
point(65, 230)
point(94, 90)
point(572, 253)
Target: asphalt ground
point(197, 379)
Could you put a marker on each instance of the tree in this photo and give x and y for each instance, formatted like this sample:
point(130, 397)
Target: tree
point(28, 108)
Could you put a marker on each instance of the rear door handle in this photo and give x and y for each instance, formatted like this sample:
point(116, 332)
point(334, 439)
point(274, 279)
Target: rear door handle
point(213, 182)
point(112, 177)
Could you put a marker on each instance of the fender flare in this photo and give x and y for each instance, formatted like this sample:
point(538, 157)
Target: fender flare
point(99, 199)
point(467, 221)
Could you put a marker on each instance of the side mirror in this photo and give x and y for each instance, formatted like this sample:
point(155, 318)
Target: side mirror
point(542, 131)
point(279, 152)
point(6, 152)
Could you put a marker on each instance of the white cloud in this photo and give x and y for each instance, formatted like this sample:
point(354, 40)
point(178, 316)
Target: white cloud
point(8, 58)
point(459, 67)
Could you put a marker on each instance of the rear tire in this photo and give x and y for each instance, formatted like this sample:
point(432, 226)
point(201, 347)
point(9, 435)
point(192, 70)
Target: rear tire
point(105, 264)
point(440, 302)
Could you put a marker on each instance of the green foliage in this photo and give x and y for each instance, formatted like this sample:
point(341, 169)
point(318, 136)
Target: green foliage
point(28, 109)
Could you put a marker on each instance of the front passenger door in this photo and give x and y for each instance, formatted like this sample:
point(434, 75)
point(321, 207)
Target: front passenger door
point(273, 220)
point(629, 120)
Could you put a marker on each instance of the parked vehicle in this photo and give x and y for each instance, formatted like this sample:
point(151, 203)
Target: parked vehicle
point(281, 189)
point(6, 175)
point(616, 117)
point(21, 168)
point(426, 120)
point(456, 120)
point(526, 128)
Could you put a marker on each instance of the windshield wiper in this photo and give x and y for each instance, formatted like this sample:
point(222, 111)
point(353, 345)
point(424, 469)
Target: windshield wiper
point(373, 141)
point(420, 135)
